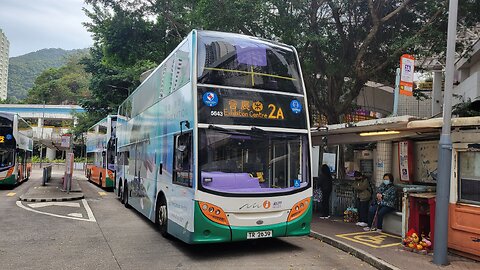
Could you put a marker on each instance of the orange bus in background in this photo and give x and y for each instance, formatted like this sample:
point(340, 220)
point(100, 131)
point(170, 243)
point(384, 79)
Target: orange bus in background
point(101, 139)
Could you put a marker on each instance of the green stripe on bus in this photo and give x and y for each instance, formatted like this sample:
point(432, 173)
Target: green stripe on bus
point(11, 180)
point(301, 225)
point(207, 231)
point(109, 182)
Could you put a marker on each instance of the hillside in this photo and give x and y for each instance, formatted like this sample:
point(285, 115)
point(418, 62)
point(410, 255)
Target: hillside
point(23, 70)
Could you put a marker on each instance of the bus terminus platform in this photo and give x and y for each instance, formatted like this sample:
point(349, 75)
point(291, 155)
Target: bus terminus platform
point(214, 146)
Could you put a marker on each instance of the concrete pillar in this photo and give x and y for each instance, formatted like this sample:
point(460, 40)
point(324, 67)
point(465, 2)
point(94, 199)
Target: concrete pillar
point(39, 128)
point(51, 154)
point(437, 95)
point(384, 161)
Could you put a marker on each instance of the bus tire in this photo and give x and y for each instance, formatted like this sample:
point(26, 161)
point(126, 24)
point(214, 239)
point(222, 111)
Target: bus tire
point(120, 191)
point(125, 196)
point(161, 216)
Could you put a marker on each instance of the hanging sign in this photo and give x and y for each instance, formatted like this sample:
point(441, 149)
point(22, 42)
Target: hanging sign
point(407, 64)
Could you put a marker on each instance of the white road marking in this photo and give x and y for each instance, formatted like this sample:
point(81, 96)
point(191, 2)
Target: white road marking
point(44, 204)
point(11, 194)
point(79, 215)
point(91, 218)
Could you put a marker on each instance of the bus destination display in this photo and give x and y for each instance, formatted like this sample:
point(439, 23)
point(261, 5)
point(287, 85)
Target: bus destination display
point(233, 107)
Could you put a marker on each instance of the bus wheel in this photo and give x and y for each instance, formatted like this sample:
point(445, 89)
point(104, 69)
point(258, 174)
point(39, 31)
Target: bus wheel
point(120, 191)
point(125, 196)
point(162, 216)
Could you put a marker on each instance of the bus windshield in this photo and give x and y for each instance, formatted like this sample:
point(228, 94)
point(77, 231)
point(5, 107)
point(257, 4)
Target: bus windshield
point(6, 158)
point(250, 162)
point(242, 61)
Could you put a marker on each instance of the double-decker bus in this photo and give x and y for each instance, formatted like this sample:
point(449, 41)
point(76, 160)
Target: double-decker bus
point(16, 146)
point(214, 146)
point(101, 149)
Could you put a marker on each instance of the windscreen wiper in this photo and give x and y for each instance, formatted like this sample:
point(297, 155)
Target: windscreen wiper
point(218, 128)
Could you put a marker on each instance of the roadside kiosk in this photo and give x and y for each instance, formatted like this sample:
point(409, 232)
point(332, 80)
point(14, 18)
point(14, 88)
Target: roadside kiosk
point(407, 147)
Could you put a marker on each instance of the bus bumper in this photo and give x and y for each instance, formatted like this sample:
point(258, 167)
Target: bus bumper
point(9, 180)
point(109, 182)
point(207, 231)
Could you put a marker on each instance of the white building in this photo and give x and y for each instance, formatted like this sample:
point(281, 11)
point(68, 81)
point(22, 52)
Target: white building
point(468, 70)
point(4, 47)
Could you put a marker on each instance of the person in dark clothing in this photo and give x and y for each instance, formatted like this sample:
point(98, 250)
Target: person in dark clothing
point(385, 203)
point(364, 194)
point(326, 182)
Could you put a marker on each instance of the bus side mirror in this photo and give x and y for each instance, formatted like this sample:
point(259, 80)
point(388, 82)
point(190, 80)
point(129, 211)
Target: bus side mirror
point(187, 125)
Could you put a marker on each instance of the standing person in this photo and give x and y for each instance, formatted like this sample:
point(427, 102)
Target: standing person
point(364, 194)
point(385, 203)
point(326, 183)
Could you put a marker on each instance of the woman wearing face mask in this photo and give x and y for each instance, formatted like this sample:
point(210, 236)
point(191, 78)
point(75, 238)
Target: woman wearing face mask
point(385, 202)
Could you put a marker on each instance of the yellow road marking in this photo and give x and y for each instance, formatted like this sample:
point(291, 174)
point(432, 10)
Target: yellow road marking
point(101, 193)
point(371, 238)
point(11, 194)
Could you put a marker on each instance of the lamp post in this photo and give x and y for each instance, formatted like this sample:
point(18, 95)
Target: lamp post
point(440, 255)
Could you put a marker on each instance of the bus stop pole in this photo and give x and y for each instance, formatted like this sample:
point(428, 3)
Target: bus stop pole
point(396, 92)
point(440, 255)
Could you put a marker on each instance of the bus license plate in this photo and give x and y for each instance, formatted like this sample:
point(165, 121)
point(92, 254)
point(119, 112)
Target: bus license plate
point(259, 234)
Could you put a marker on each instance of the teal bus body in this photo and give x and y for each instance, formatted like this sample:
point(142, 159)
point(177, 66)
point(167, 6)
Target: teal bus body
point(16, 147)
point(209, 159)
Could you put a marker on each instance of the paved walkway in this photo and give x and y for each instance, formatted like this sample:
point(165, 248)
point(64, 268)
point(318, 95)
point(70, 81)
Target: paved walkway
point(382, 250)
point(52, 191)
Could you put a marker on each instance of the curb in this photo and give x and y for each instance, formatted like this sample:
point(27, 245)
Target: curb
point(51, 199)
point(361, 254)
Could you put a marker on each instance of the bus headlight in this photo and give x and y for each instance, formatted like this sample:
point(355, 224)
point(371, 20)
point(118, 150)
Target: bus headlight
point(214, 213)
point(298, 209)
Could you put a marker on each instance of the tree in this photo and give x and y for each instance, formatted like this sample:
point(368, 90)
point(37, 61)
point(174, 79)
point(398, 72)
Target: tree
point(64, 85)
point(342, 43)
point(129, 38)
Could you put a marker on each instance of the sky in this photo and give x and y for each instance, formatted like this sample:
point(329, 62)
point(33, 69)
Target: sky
point(32, 25)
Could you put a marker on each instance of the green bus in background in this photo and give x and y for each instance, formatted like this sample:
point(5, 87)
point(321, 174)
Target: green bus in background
point(16, 147)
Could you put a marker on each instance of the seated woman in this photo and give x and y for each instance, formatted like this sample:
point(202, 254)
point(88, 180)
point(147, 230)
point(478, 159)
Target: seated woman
point(384, 203)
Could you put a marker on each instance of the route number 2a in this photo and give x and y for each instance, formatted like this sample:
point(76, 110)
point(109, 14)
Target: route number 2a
point(274, 113)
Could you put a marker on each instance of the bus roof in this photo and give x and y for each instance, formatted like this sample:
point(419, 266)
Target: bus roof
point(7, 115)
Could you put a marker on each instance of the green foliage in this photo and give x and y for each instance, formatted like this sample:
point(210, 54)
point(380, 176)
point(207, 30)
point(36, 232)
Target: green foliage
point(36, 159)
point(342, 44)
point(24, 69)
point(467, 109)
point(63, 85)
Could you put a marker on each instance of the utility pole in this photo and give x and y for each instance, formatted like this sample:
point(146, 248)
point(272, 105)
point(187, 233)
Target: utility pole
point(440, 255)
